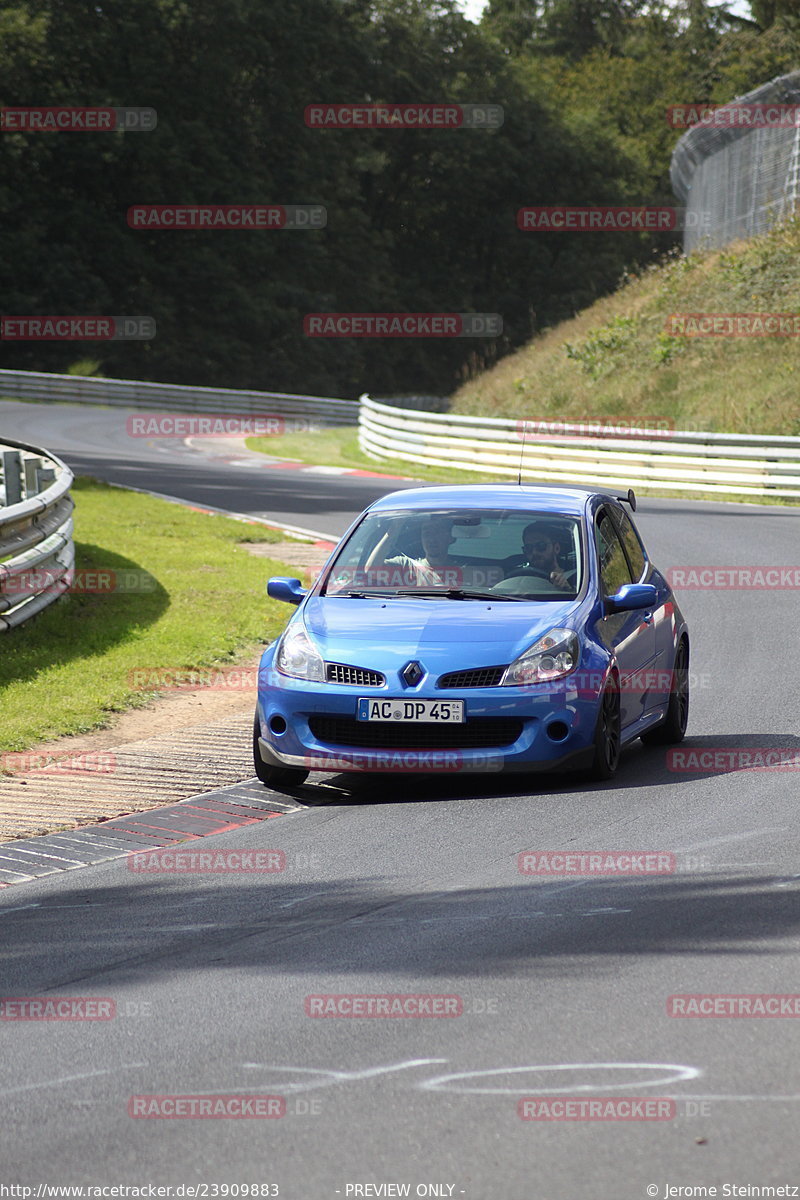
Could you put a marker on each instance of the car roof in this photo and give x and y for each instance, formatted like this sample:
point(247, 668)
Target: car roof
point(563, 501)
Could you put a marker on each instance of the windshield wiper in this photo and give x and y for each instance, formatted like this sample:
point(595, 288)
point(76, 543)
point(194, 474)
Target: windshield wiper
point(360, 595)
point(455, 594)
point(427, 594)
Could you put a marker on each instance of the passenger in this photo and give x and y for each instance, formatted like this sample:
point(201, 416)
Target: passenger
point(436, 567)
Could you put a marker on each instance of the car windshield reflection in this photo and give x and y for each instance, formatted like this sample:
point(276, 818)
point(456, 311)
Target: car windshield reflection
point(503, 554)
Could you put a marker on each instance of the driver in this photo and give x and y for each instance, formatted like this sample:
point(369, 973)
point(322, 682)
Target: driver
point(437, 534)
point(541, 547)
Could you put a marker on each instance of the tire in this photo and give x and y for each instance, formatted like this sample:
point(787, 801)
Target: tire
point(274, 777)
point(607, 735)
point(673, 728)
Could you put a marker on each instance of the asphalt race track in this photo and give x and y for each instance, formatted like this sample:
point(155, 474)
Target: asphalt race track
point(94, 441)
point(411, 887)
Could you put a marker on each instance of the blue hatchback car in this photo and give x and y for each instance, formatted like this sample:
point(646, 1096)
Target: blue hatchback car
point(478, 627)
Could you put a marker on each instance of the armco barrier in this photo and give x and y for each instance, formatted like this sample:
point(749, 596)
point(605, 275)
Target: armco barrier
point(682, 460)
point(738, 463)
point(169, 397)
point(35, 531)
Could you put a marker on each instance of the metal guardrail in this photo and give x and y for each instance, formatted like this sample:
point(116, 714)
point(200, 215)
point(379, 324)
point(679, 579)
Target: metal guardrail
point(679, 460)
point(170, 397)
point(37, 555)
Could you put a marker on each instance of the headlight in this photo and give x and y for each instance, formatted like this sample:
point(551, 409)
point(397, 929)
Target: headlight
point(552, 657)
point(298, 656)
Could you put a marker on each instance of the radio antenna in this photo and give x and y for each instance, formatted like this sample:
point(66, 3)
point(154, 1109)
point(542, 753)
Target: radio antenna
point(521, 454)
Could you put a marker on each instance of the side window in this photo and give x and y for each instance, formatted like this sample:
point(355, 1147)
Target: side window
point(614, 569)
point(631, 543)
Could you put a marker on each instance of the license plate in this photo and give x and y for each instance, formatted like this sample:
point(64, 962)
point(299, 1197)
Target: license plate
point(436, 712)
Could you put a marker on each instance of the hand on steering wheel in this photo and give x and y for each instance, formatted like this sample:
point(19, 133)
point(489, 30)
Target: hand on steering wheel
point(556, 576)
point(515, 571)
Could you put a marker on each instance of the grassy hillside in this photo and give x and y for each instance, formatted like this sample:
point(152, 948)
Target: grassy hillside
point(616, 360)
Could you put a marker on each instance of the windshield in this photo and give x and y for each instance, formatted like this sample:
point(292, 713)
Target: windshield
point(460, 553)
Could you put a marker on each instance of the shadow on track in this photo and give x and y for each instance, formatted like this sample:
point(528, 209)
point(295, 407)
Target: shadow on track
point(141, 927)
point(640, 767)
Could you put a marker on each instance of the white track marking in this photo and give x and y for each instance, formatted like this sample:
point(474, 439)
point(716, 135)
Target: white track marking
point(731, 837)
point(681, 1073)
point(250, 518)
point(47, 1083)
point(328, 1078)
point(603, 912)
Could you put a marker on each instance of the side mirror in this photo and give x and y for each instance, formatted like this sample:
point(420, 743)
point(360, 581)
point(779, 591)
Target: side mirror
point(632, 596)
point(289, 590)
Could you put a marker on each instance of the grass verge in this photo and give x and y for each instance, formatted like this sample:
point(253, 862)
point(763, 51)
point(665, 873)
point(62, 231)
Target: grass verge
point(200, 602)
point(339, 448)
point(621, 358)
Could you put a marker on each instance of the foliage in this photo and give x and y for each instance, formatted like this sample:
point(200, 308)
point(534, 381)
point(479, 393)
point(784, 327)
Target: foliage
point(622, 356)
point(598, 353)
point(418, 220)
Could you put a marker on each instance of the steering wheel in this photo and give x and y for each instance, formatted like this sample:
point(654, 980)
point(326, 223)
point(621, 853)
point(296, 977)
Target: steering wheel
point(514, 584)
point(515, 573)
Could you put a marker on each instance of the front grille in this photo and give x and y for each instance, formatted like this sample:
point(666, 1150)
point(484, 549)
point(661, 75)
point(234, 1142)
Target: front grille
point(476, 677)
point(479, 733)
point(357, 676)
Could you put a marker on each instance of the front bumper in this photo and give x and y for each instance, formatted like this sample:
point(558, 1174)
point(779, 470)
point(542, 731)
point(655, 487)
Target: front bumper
point(551, 729)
